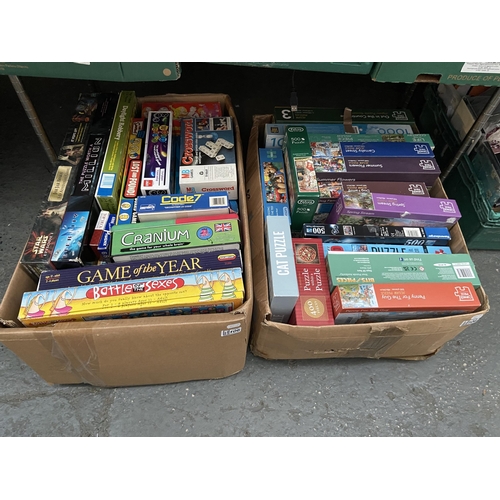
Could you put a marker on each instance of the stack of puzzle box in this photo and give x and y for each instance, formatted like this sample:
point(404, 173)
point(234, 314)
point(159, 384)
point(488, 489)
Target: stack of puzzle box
point(371, 257)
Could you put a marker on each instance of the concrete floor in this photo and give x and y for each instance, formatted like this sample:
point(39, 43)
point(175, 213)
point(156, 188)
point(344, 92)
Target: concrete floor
point(454, 393)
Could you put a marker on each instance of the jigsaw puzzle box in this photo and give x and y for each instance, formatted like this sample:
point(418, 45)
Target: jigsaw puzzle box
point(412, 339)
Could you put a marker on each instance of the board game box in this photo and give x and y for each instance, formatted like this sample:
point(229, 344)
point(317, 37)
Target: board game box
point(170, 206)
point(72, 248)
point(140, 269)
point(201, 292)
point(182, 110)
point(274, 188)
point(302, 185)
point(92, 113)
point(368, 207)
point(372, 233)
point(366, 303)
point(313, 307)
point(281, 271)
point(374, 247)
point(157, 164)
point(162, 238)
point(110, 181)
point(369, 267)
point(207, 156)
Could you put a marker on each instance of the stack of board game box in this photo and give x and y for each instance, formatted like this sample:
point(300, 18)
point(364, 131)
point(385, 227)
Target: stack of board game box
point(143, 215)
point(349, 217)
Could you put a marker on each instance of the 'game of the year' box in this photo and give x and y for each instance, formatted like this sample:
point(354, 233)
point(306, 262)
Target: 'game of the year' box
point(140, 269)
point(162, 238)
point(372, 233)
point(203, 292)
point(366, 303)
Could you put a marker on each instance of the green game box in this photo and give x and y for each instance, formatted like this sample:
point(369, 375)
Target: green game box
point(162, 238)
point(353, 268)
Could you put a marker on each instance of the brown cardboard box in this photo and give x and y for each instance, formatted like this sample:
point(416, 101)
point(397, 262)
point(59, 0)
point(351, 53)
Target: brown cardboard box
point(411, 339)
point(139, 351)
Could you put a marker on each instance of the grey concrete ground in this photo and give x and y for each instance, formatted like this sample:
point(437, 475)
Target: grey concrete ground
point(454, 393)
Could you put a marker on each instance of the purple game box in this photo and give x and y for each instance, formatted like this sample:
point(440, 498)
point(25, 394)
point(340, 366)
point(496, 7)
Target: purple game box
point(379, 169)
point(381, 205)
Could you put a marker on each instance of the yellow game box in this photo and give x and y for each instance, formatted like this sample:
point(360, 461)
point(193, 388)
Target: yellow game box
point(193, 293)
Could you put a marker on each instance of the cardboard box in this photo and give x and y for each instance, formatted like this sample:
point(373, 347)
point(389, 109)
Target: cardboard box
point(103, 71)
point(408, 339)
point(139, 351)
point(459, 73)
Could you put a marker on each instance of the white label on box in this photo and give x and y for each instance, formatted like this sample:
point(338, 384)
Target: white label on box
point(481, 67)
point(473, 320)
point(231, 330)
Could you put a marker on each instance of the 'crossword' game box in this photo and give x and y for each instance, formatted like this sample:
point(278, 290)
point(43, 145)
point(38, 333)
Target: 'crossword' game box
point(207, 156)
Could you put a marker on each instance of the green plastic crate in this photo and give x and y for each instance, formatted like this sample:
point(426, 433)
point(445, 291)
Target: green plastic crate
point(479, 223)
point(486, 168)
point(434, 121)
